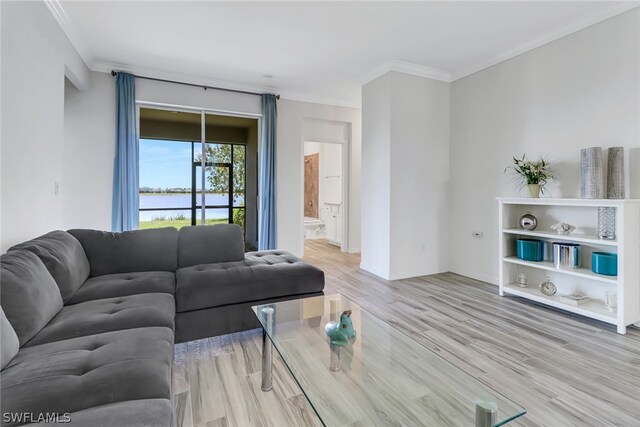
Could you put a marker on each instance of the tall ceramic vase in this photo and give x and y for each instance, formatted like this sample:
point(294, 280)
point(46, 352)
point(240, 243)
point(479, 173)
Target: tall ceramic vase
point(615, 173)
point(592, 179)
point(615, 190)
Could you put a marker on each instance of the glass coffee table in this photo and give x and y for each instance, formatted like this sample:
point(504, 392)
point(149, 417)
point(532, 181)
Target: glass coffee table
point(383, 377)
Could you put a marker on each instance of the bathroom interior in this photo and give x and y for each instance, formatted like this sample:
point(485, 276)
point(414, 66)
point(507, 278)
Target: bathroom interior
point(323, 207)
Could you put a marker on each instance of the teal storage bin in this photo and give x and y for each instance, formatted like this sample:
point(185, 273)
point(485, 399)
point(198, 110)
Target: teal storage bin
point(604, 263)
point(530, 249)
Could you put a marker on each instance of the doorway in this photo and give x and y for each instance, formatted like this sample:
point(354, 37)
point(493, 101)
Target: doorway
point(224, 168)
point(325, 184)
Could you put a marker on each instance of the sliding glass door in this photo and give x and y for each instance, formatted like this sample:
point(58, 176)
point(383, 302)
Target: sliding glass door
point(224, 183)
point(191, 174)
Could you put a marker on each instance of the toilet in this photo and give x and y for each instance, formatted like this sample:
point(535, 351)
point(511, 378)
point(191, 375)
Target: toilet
point(313, 228)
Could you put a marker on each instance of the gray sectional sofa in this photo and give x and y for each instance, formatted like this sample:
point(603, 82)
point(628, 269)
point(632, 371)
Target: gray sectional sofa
point(89, 318)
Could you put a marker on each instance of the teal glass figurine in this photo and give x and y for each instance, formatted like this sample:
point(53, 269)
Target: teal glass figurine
point(341, 333)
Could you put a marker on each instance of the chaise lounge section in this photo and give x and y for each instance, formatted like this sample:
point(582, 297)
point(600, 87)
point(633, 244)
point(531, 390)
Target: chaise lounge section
point(89, 318)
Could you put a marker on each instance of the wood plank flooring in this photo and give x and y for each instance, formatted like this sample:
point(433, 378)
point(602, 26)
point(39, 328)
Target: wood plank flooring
point(564, 369)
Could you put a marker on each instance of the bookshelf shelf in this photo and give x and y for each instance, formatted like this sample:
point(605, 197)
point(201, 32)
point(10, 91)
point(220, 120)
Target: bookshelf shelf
point(582, 213)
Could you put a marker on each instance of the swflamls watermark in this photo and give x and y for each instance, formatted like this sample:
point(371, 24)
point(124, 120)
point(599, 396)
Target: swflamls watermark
point(30, 417)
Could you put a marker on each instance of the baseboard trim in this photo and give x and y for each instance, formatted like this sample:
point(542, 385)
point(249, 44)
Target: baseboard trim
point(482, 277)
point(373, 271)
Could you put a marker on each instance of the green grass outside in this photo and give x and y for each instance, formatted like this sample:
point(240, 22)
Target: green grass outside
point(177, 223)
point(188, 193)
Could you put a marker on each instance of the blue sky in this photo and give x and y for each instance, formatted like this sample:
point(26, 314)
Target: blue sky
point(165, 163)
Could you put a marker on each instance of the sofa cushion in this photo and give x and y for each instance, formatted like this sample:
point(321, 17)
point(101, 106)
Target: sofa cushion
point(29, 296)
point(261, 275)
point(138, 250)
point(207, 244)
point(9, 345)
point(138, 413)
point(63, 256)
point(81, 373)
point(107, 315)
point(123, 284)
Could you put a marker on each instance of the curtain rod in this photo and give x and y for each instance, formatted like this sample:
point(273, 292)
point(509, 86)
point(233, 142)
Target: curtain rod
point(205, 87)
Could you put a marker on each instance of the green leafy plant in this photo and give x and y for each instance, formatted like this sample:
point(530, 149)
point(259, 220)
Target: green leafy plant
point(528, 172)
point(238, 217)
point(218, 177)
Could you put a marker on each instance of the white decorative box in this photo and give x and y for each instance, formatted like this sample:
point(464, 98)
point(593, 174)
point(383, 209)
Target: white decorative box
point(574, 299)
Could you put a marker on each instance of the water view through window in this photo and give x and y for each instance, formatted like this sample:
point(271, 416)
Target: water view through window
point(171, 181)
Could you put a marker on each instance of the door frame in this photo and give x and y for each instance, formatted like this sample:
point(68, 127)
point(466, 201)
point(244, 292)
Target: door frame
point(346, 181)
point(203, 112)
point(230, 206)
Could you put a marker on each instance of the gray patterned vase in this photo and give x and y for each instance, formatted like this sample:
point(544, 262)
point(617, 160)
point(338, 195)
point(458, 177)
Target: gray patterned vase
point(615, 173)
point(591, 182)
point(607, 223)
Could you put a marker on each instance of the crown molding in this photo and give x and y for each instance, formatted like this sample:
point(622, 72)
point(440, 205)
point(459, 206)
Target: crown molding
point(546, 37)
point(420, 70)
point(103, 66)
point(541, 39)
point(106, 67)
point(406, 68)
point(58, 13)
point(313, 99)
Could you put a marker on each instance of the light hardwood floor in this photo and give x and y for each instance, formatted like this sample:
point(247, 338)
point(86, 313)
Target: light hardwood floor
point(565, 370)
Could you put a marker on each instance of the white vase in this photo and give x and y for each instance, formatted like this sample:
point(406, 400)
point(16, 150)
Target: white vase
point(534, 190)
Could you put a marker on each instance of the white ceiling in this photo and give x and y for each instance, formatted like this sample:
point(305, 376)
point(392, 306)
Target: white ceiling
point(316, 51)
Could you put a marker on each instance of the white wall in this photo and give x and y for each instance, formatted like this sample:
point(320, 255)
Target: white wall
point(35, 57)
point(406, 171)
point(376, 178)
point(327, 124)
point(187, 96)
point(579, 91)
point(419, 176)
point(88, 154)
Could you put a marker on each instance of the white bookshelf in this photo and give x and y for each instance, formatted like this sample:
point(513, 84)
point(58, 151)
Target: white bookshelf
point(582, 213)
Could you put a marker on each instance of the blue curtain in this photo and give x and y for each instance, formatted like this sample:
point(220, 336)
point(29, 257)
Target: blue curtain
point(125, 168)
point(267, 191)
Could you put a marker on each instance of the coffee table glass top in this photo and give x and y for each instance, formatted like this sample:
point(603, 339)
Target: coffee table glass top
point(382, 378)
